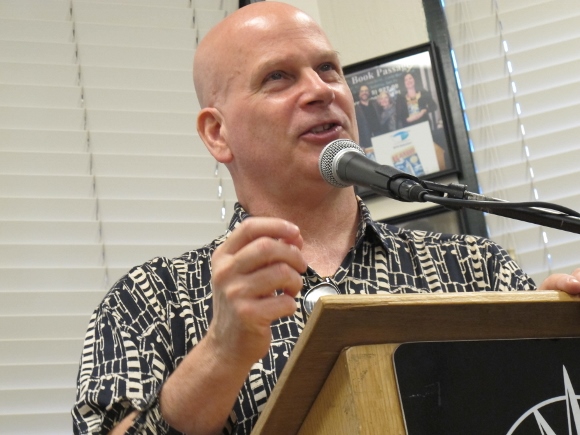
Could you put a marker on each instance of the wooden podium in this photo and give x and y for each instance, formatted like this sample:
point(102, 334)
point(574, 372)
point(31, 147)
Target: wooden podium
point(340, 377)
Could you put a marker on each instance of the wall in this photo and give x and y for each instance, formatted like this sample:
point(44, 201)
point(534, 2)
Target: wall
point(369, 28)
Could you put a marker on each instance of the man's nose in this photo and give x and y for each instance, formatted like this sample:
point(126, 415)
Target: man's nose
point(316, 90)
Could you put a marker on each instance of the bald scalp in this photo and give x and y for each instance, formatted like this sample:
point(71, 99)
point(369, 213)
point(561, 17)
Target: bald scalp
point(212, 66)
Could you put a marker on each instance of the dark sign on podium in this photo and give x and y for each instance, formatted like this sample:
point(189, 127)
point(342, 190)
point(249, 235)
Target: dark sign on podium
point(512, 387)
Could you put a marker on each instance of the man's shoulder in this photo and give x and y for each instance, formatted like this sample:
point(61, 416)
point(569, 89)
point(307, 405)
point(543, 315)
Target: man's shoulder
point(162, 280)
point(427, 238)
point(161, 266)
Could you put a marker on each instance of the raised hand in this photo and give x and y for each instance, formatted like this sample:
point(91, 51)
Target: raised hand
point(260, 256)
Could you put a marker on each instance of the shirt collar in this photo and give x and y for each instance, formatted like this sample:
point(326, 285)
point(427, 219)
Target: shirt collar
point(239, 215)
point(366, 227)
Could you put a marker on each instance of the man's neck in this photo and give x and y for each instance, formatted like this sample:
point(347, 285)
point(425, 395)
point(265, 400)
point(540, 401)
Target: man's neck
point(328, 226)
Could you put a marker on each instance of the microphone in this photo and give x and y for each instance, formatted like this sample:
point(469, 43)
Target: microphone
point(343, 163)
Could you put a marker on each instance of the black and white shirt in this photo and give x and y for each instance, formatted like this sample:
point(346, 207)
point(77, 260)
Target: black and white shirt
point(153, 316)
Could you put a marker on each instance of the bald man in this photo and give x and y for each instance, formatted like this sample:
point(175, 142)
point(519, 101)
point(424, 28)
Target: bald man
point(195, 344)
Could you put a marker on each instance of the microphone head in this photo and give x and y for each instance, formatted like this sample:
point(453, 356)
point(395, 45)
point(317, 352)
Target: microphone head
point(329, 157)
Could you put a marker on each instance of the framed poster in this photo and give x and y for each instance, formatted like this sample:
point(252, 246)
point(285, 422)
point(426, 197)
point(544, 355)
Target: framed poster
point(401, 114)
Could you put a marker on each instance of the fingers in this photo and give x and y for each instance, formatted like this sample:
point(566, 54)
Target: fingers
point(261, 283)
point(563, 282)
point(260, 256)
point(253, 228)
point(255, 314)
point(265, 251)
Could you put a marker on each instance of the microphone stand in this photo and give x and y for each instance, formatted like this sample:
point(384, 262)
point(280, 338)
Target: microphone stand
point(342, 163)
point(456, 196)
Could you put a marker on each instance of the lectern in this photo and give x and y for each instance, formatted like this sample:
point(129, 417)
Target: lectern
point(340, 377)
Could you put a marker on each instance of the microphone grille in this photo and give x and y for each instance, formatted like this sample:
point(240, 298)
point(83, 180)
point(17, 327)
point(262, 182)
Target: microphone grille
point(326, 161)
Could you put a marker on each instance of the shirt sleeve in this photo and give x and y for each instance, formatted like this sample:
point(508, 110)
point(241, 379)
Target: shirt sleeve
point(506, 274)
point(126, 357)
point(112, 382)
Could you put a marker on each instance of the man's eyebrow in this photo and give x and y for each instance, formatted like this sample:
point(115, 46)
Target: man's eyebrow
point(273, 62)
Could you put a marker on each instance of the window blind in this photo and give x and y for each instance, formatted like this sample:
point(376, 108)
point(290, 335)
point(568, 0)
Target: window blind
point(517, 68)
point(100, 170)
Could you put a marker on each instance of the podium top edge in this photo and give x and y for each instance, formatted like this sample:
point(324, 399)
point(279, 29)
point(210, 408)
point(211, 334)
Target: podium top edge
point(539, 296)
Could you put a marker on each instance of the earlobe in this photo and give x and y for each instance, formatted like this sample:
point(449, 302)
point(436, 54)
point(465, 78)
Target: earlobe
point(212, 131)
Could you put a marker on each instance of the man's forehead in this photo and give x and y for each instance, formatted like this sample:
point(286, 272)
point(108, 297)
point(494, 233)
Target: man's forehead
point(254, 38)
point(269, 47)
point(267, 21)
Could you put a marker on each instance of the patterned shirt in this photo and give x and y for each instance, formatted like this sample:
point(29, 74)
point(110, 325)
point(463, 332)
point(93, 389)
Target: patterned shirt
point(159, 311)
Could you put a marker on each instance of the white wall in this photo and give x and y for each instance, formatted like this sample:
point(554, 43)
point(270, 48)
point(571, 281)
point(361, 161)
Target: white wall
point(369, 28)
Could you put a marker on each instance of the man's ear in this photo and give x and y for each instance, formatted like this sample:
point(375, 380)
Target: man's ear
point(212, 131)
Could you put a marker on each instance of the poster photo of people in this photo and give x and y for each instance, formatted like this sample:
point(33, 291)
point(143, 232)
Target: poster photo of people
point(399, 115)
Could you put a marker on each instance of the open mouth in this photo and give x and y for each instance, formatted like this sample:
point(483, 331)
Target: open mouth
point(322, 128)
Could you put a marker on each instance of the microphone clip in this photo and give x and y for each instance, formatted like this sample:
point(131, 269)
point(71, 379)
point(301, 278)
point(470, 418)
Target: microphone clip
point(452, 190)
point(409, 188)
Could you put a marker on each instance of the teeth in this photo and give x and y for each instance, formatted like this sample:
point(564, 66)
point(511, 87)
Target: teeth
point(321, 128)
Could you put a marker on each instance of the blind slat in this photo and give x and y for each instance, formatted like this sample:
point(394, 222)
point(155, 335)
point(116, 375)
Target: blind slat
point(46, 186)
point(53, 279)
point(500, 89)
point(43, 327)
point(51, 255)
point(141, 100)
point(44, 163)
point(538, 103)
point(133, 233)
point(44, 31)
point(57, 10)
point(150, 122)
point(522, 62)
point(510, 131)
point(153, 166)
point(121, 35)
point(37, 52)
point(167, 144)
point(48, 209)
point(135, 57)
point(132, 15)
point(12, 232)
point(37, 423)
point(164, 188)
point(136, 78)
point(152, 210)
point(45, 303)
point(55, 400)
point(43, 376)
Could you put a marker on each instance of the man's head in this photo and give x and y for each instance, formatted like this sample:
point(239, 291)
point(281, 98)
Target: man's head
point(364, 94)
point(273, 95)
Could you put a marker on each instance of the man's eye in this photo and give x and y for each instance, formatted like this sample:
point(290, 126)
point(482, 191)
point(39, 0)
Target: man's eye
point(275, 76)
point(327, 67)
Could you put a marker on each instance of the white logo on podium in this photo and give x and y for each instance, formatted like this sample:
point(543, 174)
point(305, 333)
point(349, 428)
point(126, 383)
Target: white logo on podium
point(572, 410)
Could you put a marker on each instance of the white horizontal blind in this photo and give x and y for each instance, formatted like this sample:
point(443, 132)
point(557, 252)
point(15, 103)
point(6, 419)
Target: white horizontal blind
point(100, 169)
point(519, 71)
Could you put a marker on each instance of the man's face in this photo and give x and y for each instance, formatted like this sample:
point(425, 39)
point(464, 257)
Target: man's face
point(287, 98)
point(363, 93)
